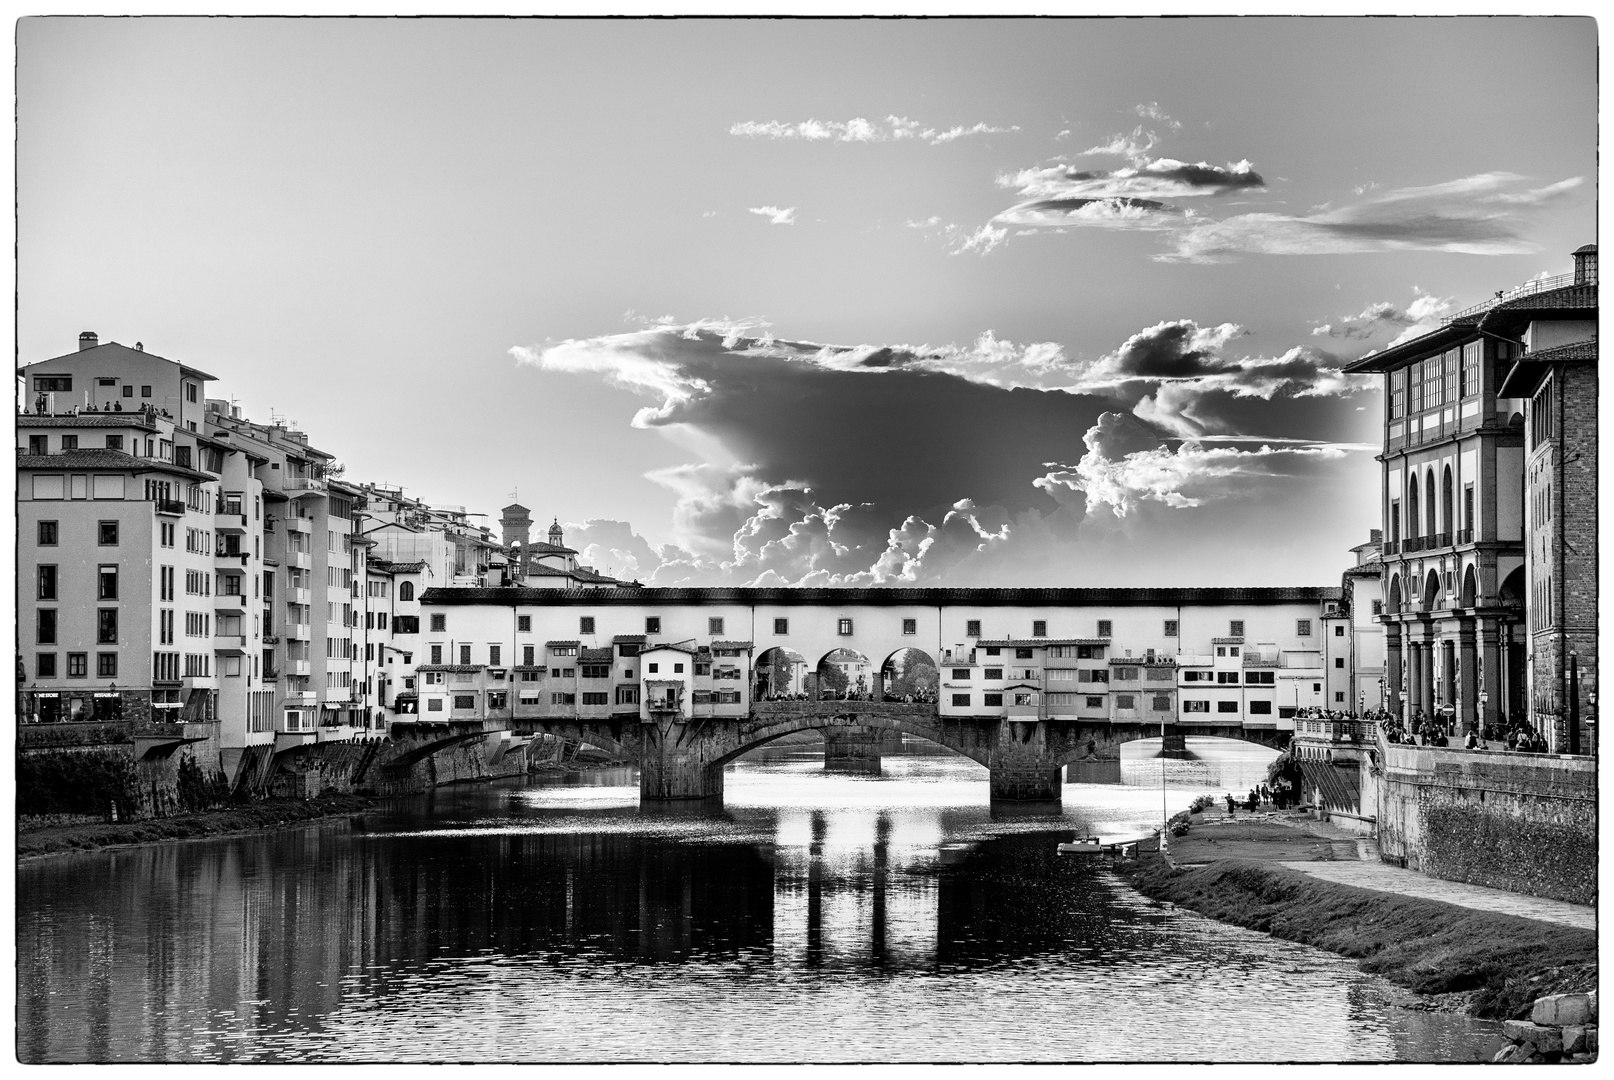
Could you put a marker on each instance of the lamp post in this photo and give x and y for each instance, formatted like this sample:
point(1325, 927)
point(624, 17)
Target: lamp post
point(1165, 818)
point(1572, 675)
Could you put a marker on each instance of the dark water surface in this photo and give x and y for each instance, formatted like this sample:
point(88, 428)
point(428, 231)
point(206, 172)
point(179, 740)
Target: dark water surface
point(814, 918)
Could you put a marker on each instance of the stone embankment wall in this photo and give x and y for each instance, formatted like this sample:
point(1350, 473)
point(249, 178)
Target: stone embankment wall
point(1522, 822)
point(87, 769)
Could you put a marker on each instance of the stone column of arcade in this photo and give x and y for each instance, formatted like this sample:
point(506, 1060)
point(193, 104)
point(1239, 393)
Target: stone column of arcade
point(1414, 681)
point(1490, 672)
point(1392, 670)
point(1467, 678)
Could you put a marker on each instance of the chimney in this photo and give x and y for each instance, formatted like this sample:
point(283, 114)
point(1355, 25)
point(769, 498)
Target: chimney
point(88, 340)
point(140, 346)
point(1586, 265)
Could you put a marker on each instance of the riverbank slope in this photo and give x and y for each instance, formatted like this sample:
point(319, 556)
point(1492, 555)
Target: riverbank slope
point(1490, 965)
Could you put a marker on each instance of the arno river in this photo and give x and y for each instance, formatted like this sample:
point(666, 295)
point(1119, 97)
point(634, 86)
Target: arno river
point(815, 917)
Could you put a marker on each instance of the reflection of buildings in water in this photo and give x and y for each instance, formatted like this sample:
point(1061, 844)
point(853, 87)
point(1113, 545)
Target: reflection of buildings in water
point(844, 894)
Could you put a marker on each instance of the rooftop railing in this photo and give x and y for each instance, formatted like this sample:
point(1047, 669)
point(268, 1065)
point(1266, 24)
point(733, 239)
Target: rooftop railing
point(1529, 288)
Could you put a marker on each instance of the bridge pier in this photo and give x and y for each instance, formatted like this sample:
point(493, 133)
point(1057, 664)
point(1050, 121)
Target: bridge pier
point(676, 763)
point(857, 749)
point(1026, 784)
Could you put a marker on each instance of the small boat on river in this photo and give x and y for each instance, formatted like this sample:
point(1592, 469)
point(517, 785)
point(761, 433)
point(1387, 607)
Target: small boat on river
point(1083, 845)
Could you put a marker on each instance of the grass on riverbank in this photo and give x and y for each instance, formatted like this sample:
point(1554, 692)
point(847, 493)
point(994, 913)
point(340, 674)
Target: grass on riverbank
point(46, 838)
point(1426, 946)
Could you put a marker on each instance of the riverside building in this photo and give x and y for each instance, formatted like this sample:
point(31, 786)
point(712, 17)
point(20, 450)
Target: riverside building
point(1489, 571)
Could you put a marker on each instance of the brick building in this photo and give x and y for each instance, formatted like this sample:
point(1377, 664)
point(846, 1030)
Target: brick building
point(1557, 378)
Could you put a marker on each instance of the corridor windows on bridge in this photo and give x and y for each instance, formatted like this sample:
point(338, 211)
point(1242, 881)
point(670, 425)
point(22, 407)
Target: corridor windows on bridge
point(1170, 628)
point(439, 625)
point(972, 628)
point(714, 626)
point(1339, 661)
point(910, 627)
point(652, 624)
point(585, 624)
point(1039, 628)
point(781, 628)
point(1303, 628)
point(1104, 628)
point(843, 627)
point(523, 624)
point(1235, 628)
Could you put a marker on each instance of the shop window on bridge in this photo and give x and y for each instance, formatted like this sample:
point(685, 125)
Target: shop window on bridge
point(627, 695)
point(531, 699)
point(1225, 678)
point(1089, 652)
point(563, 699)
point(434, 705)
point(594, 697)
point(728, 697)
point(702, 697)
point(1126, 674)
point(702, 669)
point(596, 671)
point(1195, 706)
point(972, 628)
point(1022, 654)
point(529, 655)
point(963, 673)
point(1260, 678)
point(1260, 708)
point(991, 700)
point(532, 676)
point(1095, 703)
point(991, 673)
point(1157, 674)
point(993, 650)
point(464, 701)
point(498, 699)
point(910, 626)
point(1161, 703)
point(1227, 706)
point(1126, 701)
point(962, 700)
point(1287, 712)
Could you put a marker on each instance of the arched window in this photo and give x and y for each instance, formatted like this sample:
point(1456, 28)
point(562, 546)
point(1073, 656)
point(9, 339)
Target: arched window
point(1446, 501)
point(1429, 505)
point(1393, 604)
point(406, 591)
point(1470, 588)
point(1412, 507)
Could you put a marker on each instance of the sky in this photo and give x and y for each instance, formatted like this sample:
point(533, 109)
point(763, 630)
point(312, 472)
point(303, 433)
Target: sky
point(945, 302)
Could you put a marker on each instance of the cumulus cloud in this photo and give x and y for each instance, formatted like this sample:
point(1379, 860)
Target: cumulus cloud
point(776, 215)
point(1424, 314)
point(1486, 214)
point(960, 464)
point(859, 130)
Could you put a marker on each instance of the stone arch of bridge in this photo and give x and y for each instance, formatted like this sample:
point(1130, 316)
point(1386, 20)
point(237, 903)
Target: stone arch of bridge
point(955, 737)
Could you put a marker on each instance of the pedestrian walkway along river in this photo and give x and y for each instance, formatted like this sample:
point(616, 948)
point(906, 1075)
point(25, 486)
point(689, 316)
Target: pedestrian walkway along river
point(815, 917)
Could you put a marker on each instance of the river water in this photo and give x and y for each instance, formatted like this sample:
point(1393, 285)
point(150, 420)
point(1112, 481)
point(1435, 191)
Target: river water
point(815, 917)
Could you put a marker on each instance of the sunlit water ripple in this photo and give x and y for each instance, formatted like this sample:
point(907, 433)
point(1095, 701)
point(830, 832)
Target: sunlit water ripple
point(815, 917)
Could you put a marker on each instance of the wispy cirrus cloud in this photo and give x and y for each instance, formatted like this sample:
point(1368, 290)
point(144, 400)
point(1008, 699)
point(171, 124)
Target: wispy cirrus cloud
point(1151, 110)
point(1133, 144)
point(1137, 196)
point(1485, 214)
point(776, 215)
point(860, 130)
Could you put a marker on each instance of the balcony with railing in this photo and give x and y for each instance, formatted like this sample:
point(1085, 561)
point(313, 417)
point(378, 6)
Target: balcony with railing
point(226, 603)
point(170, 507)
point(303, 668)
point(299, 525)
point(230, 644)
point(305, 485)
point(299, 631)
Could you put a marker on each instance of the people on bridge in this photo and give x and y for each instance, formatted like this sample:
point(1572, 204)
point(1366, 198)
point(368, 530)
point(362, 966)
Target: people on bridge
point(1229, 798)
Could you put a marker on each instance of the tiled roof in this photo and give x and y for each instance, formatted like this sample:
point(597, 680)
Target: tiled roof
point(746, 645)
point(1574, 350)
point(674, 646)
point(104, 459)
point(133, 418)
point(539, 547)
point(1162, 596)
point(386, 567)
point(595, 656)
point(457, 669)
point(547, 644)
point(628, 638)
point(140, 353)
point(1037, 643)
point(1227, 641)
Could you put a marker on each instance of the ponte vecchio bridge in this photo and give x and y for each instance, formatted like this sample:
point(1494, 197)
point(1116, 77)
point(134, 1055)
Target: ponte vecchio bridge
point(683, 681)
